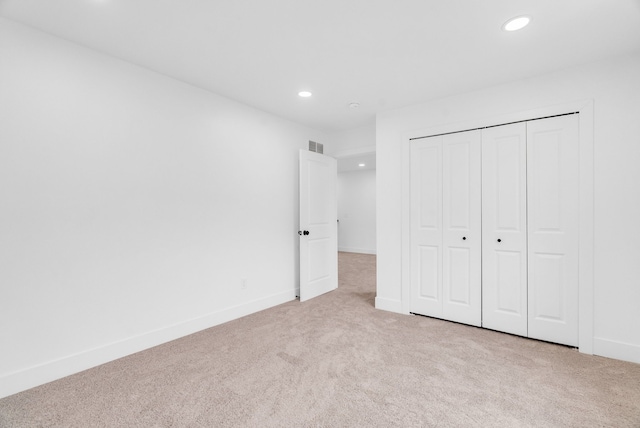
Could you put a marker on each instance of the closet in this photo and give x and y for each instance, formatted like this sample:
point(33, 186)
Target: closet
point(494, 228)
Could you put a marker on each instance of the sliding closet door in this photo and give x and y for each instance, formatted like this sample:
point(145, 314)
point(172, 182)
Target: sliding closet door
point(461, 239)
point(553, 207)
point(426, 227)
point(504, 228)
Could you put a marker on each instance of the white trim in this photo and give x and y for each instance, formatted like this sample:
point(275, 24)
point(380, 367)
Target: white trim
point(22, 380)
point(618, 350)
point(405, 229)
point(389, 305)
point(586, 110)
point(356, 250)
point(587, 224)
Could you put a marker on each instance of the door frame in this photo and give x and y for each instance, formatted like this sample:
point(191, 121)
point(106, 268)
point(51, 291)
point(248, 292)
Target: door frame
point(585, 109)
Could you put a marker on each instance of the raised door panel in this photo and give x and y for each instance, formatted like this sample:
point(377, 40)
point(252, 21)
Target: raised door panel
point(553, 206)
point(429, 273)
point(504, 229)
point(461, 202)
point(426, 227)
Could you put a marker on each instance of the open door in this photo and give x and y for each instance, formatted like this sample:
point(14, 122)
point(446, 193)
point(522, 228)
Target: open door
point(318, 225)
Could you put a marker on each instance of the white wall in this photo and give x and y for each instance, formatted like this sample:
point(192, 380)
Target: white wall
point(352, 142)
point(132, 206)
point(614, 87)
point(357, 211)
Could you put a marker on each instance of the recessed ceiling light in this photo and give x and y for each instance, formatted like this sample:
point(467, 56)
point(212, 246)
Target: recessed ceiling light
point(517, 23)
point(304, 94)
point(361, 164)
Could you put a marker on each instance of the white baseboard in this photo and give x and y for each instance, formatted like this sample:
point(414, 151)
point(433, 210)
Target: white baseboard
point(22, 380)
point(357, 250)
point(389, 305)
point(618, 350)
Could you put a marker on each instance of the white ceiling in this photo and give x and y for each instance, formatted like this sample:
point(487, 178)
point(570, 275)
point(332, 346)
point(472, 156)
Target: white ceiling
point(380, 53)
point(352, 163)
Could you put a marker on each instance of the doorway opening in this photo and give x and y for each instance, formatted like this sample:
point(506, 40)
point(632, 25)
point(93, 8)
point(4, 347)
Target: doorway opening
point(356, 193)
point(357, 203)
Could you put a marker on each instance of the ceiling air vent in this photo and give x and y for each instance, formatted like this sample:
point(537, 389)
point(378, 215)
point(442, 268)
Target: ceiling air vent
point(316, 147)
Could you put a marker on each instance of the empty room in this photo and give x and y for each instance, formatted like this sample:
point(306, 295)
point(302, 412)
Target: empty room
point(319, 214)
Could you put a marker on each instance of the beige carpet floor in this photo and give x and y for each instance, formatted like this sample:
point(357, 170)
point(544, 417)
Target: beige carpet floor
point(335, 361)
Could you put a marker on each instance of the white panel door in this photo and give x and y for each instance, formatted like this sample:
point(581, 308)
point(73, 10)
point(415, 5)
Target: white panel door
point(461, 228)
point(318, 225)
point(504, 229)
point(553, 218)
point(426, 227)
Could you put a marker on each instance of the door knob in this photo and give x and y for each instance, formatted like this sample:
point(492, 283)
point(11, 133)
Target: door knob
point(464, 238)
point(499, 240)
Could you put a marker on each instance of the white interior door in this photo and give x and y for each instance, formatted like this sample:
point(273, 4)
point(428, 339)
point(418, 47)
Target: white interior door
point(553, 213)
point(318, 225)
point(445, 227)
point(461, 228)
point(426, 227)
point(504, 229)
